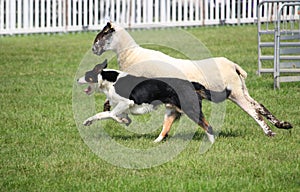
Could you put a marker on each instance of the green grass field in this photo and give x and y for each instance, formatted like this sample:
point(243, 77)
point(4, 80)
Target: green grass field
point(42, 150)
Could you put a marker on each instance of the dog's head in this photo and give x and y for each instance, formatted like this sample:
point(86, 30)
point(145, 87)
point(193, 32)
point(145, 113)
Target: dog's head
point(92, 77)
point(103, 39)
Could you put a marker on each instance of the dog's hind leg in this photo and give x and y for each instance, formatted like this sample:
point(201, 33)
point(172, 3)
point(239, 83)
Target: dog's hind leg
point(198, 117)
point(170, 116)
point(207, 128)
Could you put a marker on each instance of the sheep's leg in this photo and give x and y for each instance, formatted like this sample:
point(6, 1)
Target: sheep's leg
point(250, 108)
point(170, 116)
point(266, 113)
point(241, 97)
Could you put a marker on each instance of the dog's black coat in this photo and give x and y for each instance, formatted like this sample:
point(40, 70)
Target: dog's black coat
point(140, 95)
point(183, 94)
point(177, 92)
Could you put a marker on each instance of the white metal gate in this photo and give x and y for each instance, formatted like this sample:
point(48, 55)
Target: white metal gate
point(288, 57)
point(279, 32)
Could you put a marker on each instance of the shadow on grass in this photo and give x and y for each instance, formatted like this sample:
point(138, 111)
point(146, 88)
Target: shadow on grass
point(223, 134)
point(197, 136)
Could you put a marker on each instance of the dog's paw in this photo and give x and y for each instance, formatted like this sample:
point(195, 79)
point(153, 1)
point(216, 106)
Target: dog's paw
point(158, 139)
point(127, 121)
point(271, 134)
point(87, 122)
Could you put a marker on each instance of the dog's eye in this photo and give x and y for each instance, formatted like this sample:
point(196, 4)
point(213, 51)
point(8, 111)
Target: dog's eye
point(90, 79)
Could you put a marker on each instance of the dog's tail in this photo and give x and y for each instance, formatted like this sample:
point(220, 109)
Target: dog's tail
point(213, 96)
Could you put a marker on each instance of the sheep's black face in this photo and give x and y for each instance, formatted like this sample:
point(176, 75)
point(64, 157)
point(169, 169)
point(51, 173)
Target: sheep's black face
point(103, 39)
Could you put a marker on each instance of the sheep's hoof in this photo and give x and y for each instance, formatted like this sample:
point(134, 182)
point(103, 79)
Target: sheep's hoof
point(284, 125)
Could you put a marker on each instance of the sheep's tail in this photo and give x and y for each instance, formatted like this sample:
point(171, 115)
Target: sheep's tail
point(242, 75)
point(214, 96)
point(240, 71)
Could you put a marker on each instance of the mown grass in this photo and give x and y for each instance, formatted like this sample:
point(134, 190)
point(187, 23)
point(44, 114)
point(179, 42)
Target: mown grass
point(41, 148)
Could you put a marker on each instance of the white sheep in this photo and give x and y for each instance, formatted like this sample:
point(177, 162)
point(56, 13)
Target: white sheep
point(214, 73)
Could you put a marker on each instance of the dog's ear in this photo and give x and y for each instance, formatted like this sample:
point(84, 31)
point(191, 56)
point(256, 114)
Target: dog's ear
point(104, 64)
point(99, 67)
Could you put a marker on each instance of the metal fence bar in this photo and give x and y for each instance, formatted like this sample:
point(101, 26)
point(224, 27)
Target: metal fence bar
point(2, 21)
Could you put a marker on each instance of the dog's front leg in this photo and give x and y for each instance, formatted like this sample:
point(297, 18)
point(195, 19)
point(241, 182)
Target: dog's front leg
point(106, 106)
point(119, 109)
point(101, 116)
point(125, 119)
point(119, 112)
point(98, 116)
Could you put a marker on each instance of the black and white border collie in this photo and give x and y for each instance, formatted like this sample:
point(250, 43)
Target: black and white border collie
point(129, 94)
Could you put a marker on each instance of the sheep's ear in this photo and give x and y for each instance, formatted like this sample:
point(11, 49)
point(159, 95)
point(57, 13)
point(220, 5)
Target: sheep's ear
point(111, 24)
